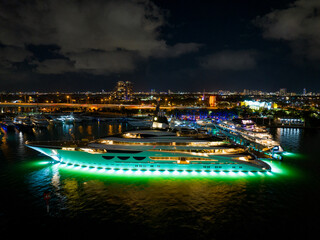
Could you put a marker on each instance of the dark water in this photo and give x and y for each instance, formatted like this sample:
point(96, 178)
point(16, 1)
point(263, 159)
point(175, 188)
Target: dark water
point(86, 205)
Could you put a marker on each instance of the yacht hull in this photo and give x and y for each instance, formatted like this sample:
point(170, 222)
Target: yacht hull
point(152, 161)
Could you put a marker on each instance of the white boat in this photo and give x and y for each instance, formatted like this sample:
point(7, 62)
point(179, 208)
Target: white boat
point(207, 122)
point(69, 119)
point(248, 130)
point(40, 121)
point(154, 151)
point(23, 123)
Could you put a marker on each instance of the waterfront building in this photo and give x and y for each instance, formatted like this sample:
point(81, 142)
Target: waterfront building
point(212, 101)
point(123, 90)
point(283, 92)
point(259, 104)
point(304, 92)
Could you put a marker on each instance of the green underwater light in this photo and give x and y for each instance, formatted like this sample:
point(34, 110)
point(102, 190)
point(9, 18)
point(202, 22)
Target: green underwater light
point(44, 162)
point(161, 172)
point(292, 155)
point(288, 154)
point(277, 168)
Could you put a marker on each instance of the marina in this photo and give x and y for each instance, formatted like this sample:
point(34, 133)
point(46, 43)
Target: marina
point(156, 148)
point(104, 191)
point(155, 144)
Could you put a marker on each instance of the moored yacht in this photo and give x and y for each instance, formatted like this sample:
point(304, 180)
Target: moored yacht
point(23, 123)
point(248, 130)
point(155, 149)
point(152, 150)
point(7, 123)
point(40, 121)
point(206, 122)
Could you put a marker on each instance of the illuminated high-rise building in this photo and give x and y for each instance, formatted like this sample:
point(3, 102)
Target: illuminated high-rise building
point(212, 101)
point(304, 91)
point(123, 90)
point(283, 92)
point(129, 90)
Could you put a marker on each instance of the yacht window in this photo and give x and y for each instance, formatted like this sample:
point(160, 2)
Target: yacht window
point(181, 158)
point(139, 158)
point(123, 151)
point(123, 158)
point(108, 157)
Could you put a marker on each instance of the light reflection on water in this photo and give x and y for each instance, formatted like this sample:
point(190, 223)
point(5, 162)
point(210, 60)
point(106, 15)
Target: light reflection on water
point(190, 206)
point(289, 138)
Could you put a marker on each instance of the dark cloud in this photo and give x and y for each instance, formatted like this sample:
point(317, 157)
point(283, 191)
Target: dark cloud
point(91, 44)
point(93, 36)
point(230, 60)
point(54, 66)
point(14, 54)
point(299, 24)
point(176, 50)
point(9, 56)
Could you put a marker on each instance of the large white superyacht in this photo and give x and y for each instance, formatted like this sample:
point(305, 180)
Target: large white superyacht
point(248, 130)
point(153, 150)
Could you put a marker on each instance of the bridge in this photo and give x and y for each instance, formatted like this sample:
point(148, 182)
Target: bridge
point(93, 106)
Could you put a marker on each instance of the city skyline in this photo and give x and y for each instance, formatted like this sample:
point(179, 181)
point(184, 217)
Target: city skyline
point(114, 91)
point(176, 45)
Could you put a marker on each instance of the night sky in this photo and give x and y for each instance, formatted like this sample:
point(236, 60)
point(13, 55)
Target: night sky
point(182, 45)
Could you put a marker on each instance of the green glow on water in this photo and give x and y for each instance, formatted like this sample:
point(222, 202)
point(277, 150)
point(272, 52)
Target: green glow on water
point(288, 154)
point(292, 155)
point(44, 163)
point(277, 170)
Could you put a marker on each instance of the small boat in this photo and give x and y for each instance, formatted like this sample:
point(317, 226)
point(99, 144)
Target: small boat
point(207, 122)
point(40, 121)
point(7, 124)
point(23, 123)
point(69, 119)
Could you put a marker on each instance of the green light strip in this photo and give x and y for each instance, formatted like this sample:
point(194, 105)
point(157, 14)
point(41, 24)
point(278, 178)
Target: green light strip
point(165, 172)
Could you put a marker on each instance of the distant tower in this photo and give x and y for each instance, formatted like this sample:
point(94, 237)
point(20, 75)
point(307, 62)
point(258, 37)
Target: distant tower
point(120, 90)
point(129, 90)
point(283, 92)
point(123, 90)
point(304, 92)
point(212, 101)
